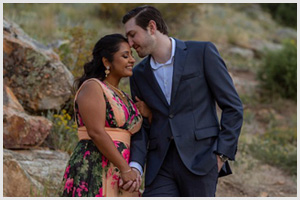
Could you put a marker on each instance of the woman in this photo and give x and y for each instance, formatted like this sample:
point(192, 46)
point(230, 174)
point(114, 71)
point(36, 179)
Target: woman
point(106, 118)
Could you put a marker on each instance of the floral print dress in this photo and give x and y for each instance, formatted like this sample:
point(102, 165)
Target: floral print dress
point(88, 172)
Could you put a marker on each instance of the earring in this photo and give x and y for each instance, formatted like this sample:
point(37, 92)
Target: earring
point(107, 71)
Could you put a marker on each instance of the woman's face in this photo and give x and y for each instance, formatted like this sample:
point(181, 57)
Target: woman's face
point(122, 61)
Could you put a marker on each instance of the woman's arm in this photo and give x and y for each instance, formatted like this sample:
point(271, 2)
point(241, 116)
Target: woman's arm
point(92, 108)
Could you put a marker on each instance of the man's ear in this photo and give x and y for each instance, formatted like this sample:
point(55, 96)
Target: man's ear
point(105, 62)
point(152, 26)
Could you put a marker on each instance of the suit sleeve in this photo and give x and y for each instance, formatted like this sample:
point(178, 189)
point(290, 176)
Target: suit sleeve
point(139, 140)
point(223, 90)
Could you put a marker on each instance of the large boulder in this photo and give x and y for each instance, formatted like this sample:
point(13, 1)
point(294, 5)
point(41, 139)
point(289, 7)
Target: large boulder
point(33, 71)
point(21, 130)
point(33, 173)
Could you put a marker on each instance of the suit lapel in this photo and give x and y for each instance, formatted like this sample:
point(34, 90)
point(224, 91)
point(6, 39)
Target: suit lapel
point(179, 63)
point(153, 82)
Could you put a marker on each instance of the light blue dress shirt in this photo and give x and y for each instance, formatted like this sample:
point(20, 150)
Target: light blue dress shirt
point(163, 73)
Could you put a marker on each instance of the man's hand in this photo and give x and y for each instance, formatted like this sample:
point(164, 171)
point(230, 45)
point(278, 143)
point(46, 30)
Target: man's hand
point(220, 163)
point(143, 108)
point(132, 186)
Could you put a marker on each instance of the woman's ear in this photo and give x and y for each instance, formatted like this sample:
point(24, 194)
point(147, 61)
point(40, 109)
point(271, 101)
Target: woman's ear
point(106, 63)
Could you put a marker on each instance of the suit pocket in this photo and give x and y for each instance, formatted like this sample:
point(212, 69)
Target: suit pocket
point(201, 134)
point(189, 76)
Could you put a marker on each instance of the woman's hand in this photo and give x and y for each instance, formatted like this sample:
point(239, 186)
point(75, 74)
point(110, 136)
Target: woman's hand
point(129, 181)
point(143, 108)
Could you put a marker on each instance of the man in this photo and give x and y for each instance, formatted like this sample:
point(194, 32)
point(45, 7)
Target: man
point(184, 148)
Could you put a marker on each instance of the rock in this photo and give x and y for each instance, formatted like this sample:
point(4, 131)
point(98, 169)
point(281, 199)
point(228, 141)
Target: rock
point(260, 47)
point(10, 100)
point(33, 72)
point(33, 173)
point(264, 194)
point(284, 34)
point(244, 53)
point(21, 130)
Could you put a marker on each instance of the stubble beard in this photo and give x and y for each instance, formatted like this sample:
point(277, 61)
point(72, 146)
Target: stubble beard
point(146, 49)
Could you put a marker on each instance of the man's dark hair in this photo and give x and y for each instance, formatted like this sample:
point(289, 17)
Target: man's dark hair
point(143, 15)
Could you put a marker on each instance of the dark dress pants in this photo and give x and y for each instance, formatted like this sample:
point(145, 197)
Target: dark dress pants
point(175, 180)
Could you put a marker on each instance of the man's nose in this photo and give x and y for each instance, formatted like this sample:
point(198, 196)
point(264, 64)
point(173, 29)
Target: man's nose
point(130, 42)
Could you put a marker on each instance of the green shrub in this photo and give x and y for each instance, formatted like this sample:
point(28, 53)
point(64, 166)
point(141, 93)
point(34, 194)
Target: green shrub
point(77, 50)
point(63, 135)
point(277, 147)
point(278, 73)
point(284, 13)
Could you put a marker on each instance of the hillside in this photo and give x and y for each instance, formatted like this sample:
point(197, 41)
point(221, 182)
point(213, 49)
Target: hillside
point(243, 33)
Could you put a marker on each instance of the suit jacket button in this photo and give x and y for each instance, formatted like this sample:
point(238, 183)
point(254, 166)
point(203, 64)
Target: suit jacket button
point(171, 138)
point(171, 116)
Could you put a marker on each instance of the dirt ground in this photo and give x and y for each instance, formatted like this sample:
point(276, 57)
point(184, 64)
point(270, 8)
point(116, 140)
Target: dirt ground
point(258, 180)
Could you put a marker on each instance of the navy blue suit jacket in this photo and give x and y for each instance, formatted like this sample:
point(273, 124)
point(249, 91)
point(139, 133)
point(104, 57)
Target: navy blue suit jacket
point(200, 80)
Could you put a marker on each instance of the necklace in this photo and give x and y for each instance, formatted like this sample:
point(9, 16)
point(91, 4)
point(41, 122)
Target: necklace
point(117, 89)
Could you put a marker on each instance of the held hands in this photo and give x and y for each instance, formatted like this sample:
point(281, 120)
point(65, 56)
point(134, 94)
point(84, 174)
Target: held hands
point(143, 108)
point(131, 185)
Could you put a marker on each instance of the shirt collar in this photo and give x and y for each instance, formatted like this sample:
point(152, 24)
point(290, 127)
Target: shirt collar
point(155, 65)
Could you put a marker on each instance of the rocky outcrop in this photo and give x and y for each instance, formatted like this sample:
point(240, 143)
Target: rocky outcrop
point(32, 173)
point(21, 130)
point(33, 72)
point(34, 80)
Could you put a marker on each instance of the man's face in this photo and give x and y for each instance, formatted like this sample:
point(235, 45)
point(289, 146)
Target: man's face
point(141, 40)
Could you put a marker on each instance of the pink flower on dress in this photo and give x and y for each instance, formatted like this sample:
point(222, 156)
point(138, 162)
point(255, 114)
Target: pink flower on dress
point(116, 143)
point(106, 123)
point(74, 189)
point(87, 153)
point(67, 172)
point(100, 193)
point(132, 117)
point(125, 111)
point(109, 172)
point(80, 119)
point(83, 186)
point(78, 190)
point(126, 154)
point(115, 179)
point(135, 109)
point(104, 161)
point(114, 98)
point(69, 185)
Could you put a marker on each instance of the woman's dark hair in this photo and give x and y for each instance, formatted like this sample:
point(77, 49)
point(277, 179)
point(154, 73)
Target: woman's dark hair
point(106, 47)
point(143, 15)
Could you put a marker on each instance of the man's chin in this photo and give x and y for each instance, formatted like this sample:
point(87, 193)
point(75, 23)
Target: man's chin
point(141, 55)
